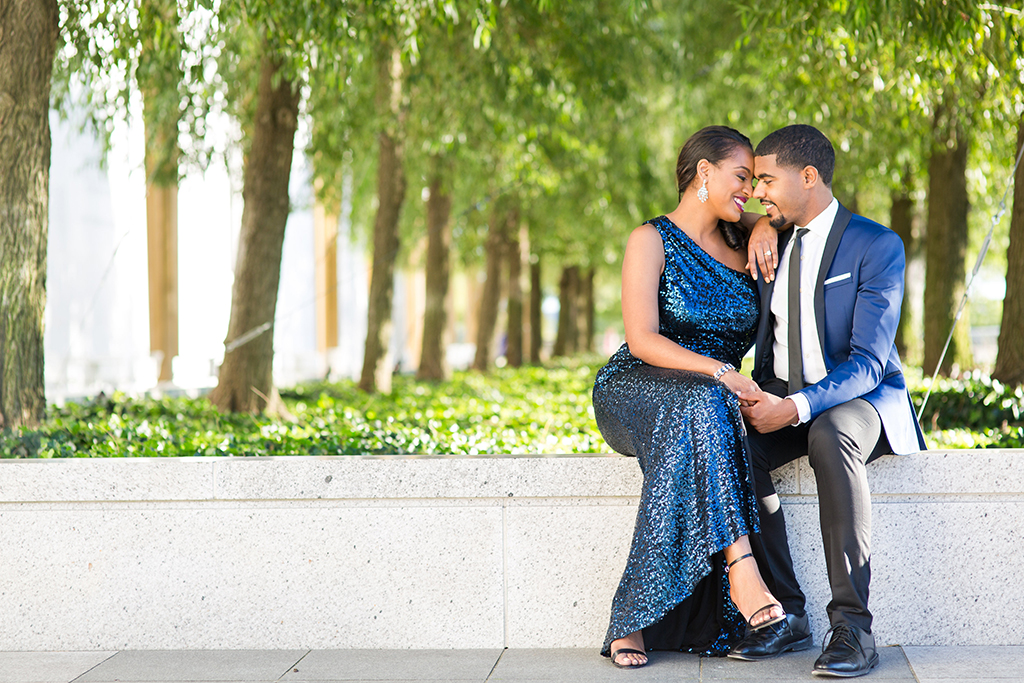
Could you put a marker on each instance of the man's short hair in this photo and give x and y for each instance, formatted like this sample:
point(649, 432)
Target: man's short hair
point(799, 146)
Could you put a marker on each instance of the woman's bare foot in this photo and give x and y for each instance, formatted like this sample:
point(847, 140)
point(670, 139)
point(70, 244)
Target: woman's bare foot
point(634, 641)
point(750, 594)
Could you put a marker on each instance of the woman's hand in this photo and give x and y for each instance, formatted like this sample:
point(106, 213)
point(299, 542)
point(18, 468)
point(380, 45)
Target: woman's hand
point(737, 382)
point(762, 250)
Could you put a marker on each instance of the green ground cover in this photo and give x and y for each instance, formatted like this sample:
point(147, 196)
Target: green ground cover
point(529, 410)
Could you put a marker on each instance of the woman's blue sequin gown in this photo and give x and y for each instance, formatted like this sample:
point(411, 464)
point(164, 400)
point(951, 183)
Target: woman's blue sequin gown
point(687, 433)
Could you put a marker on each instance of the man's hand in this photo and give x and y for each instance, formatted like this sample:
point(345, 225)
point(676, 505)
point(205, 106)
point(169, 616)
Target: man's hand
point(767, 412)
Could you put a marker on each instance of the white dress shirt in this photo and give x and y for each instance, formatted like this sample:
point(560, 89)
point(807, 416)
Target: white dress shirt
point(812, 247)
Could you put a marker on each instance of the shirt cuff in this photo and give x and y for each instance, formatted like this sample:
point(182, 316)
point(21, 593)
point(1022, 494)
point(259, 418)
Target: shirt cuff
point(803, 407)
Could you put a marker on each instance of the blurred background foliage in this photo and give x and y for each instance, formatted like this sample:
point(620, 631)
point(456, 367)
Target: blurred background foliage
point(550, 130)
point(529, 410)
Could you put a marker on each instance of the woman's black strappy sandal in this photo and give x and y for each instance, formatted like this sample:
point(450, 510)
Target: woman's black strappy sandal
point(766, 608)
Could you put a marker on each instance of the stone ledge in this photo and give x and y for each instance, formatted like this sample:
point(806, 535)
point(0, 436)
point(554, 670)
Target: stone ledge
point(938, 472)
point(398, 477)
point(335, 552)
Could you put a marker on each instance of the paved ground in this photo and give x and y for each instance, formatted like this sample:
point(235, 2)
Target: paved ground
point(923, 664)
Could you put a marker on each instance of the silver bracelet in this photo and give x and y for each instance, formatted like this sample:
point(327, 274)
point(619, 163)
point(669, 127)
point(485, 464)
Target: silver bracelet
point(722, 370)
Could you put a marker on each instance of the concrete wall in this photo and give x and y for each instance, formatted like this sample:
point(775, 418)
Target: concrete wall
point(396, 552)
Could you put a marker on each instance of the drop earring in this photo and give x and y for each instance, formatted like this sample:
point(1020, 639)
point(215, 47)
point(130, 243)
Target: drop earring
point(702, 193)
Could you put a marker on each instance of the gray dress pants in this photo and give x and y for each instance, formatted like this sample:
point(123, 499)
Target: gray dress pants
point(838, 443)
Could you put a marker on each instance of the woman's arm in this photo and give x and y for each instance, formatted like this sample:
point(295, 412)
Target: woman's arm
point(762, 247)
point(642, 267)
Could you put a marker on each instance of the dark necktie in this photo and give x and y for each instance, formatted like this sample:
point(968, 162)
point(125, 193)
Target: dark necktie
point(796, 359)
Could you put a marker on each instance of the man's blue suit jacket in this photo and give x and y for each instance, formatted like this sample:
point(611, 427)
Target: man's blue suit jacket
point(857, 302)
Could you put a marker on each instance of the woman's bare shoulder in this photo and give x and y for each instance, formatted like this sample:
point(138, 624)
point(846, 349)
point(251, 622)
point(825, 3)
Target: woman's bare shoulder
point(646, 235)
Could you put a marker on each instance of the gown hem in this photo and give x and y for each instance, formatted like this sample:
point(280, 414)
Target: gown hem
point(606, 649)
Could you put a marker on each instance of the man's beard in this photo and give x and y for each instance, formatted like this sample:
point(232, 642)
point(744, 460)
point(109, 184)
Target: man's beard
point(777, 222)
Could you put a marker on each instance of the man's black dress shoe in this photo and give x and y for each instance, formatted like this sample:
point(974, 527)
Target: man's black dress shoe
point(851, 652)
point(790, 635)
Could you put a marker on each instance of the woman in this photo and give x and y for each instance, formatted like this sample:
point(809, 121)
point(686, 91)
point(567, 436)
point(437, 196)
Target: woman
point(668, 396)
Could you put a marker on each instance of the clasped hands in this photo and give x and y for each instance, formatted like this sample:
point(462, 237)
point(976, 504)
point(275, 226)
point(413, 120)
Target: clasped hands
point(767, 412)
point(764, 412)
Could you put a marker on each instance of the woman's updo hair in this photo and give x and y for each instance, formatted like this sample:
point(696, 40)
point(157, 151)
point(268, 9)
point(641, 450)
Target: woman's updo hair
point(713, 143)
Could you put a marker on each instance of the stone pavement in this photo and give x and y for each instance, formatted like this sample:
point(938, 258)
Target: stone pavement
point(922, 664)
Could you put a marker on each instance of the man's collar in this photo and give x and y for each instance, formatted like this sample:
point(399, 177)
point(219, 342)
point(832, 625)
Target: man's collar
point(822, 223)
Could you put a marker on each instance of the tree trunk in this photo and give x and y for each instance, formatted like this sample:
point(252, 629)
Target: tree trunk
point(568, 313)
point(325, 276)
point(946, 253)
point(901, 220)
point(435, 317)
point(162, 249)
point(1010, 357)
point(246, 376)
point(159, 75)
point(536, 298)
point(391, 185)
point(487, 319)
point(28, 42)
point(514, 351)
point(586, 305)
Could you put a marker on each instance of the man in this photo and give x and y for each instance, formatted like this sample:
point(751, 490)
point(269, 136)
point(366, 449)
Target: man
point(831, 387)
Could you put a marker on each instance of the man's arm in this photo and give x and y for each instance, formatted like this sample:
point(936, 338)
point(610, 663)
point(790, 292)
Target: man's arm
point(876, 315)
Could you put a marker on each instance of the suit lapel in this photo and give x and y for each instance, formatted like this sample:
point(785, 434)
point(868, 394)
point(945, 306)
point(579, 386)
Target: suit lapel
point(835, 236)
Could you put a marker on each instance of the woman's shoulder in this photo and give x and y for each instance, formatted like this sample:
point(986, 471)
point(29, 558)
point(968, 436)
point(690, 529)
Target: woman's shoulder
point(646, 235)
point(660, 225)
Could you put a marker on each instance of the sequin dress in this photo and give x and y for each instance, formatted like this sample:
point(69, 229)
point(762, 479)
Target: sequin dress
point(687, 433)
